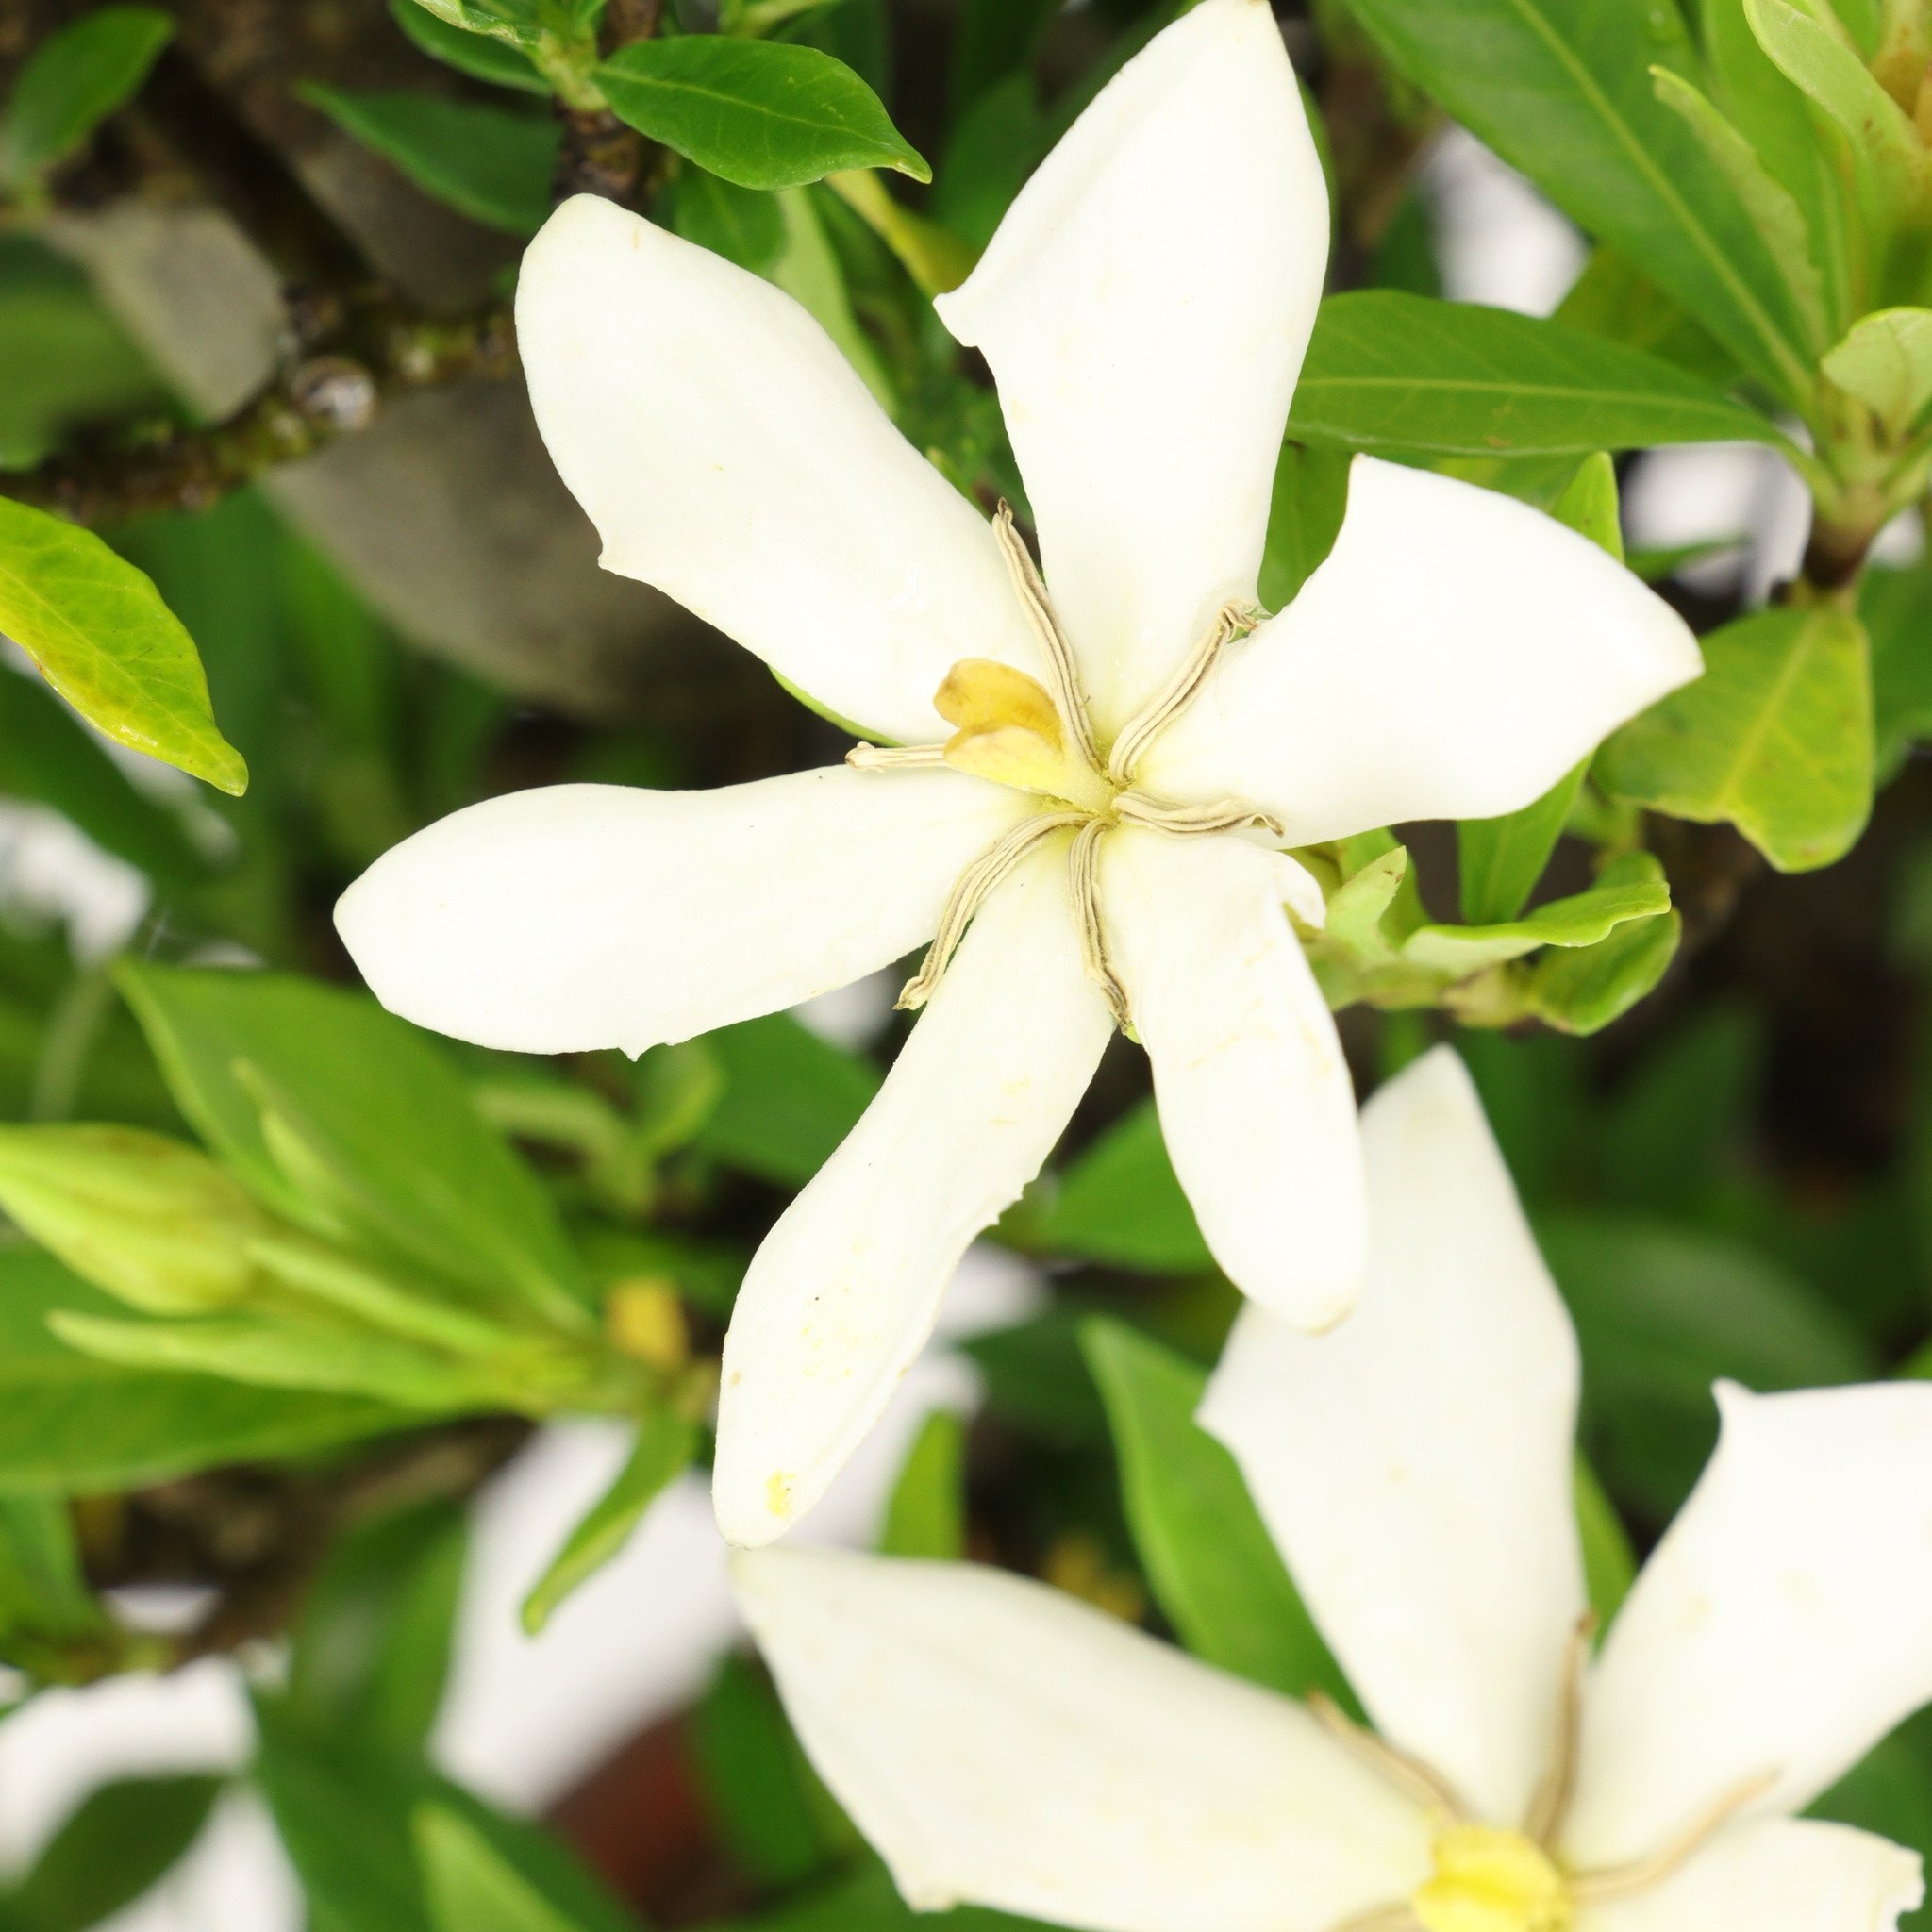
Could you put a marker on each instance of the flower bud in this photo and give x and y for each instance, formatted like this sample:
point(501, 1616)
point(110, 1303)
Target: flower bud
point(151, 1220)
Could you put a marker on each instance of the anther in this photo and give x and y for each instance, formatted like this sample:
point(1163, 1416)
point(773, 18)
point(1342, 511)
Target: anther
point(1550, 1805)
point(1409, 1775)
point(1083, 878)
point(1062, 671)
point(895, 758)
point(1183, 821)
point(1640, 1874)
point(969, 893)
point(1232, 621)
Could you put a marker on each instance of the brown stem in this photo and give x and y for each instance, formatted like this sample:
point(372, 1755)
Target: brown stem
point(599, 156)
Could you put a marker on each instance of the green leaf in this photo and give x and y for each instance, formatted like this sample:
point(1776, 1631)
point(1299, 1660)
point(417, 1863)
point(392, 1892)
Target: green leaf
point(373, 1644)
point(1675, 1129)
point(1610, 299)
point(42, 1588)
point(1775, 736)
point(743, 225)
point(429, 1181)
point(1778, 217)
point(992, 148)
point(1885, 362)
point(517, 22)
point(1662, 1312)
point(926, 1515)
point(73, 1424)
point(1119, 1203)
point(1499, 860)
point(1896, 606)
point(468, 52)
point(1582, 990)
point(809, 271)
point(121, 1840)
point(1362, 903)
point(1592, 506)
point(104, 640)
point(1562, 90)
point(664, 1447)
point(493, 164)
point(868, 1901)
point(762, 113)
point(1304, 517)
point(1579, 920)
point(1036, 1377)
point(73, 82)
point(789, 1098)
point(1210, 1561)
point(470, 1889)
point(1609, 1565)
point(1385, 371)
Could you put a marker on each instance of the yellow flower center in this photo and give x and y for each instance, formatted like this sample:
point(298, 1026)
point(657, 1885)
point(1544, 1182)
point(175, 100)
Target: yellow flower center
point(1488, 1879)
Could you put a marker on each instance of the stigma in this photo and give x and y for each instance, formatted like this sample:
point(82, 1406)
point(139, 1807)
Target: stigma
point(1489, 1879)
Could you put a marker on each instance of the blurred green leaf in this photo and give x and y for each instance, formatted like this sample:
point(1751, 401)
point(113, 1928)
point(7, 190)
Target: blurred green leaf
point(1034, 1376)
point(1305, 514)
point(43, 1588)
point(925, 1514)
point(1582, 989)
point(1775, 736)
point(470, 1889)
point(477, 55)
point(1212, 1566)
point(1385, 371)
point(992, 148)
point(868, 1901)
point(762, 113)
point(1668, 1132)
point(1562, 89)
point(1615, 301)
point(1885, 362)
point(1499, 860)
point(743, 225)
point(71, 1424)
point(1609, 1565)
point(117, 1844)
point(1120, 1203)
point(1896, 608)
point(1889, 1792)
point(493, 164)
point(374, 1640)
point(663, 1450)
point(376, 1107)
point(809, 271)
point(789, 1098)
point(104, 640)
point(73, 82)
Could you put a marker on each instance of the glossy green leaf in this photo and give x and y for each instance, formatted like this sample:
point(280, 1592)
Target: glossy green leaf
point(743, 225)
point(762, 113)
point(74, 1425)
point(469, 52)
point(1385, 371)
point(73, 82)
point(1609, 1563)
point(380, 1113)
point(925, 1514)
point(1775, 736)
point(104, 640)
point(1582, 990)
point(1208, 1557)
point(665, 1444)
point(1579, 920)
point(117, 1844)
point(1562, 89)
point(789, 1098)
point(1499, 860)
point(1119, 1203)
point(493, 164)
point(471, 1888)
point(1885, 362)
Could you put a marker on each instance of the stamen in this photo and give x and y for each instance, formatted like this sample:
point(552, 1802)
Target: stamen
point(1231, 621)
point(1181, 821)
point(1409, 1775)
point(1062, 670)
point(895, 758)
point(969, 893)
point(1083, 878)
point(1623, 1881)
point(1552, 1801)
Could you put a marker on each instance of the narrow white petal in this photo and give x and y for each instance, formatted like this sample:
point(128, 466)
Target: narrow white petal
point(586, 916)
point(844, 1292)
point(1001, 1743)
point(1778, 1874)
point(728, 453)
point(1415, 1465)
point(1783, 1625)
point(1255, 1097)
point(1144, 307)
point(1455, 656)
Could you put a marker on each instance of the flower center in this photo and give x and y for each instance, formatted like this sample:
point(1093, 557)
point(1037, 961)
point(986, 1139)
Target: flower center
point(1490, 1880)
point(1016, 731)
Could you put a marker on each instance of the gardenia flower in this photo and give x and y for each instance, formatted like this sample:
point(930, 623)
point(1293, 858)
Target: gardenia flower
point(1080, 785)
point(1001, 1743)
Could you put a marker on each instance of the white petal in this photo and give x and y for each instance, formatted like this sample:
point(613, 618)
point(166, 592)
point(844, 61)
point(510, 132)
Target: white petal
point(586, 916)
point(845, 1291)
point(1000, 1743)
point(1144, 305)
point(1778, 1874)
point(728, 453)
point(1255, 1097)
point(1415, 1466)
point(1455, 656)
point(1783, 1625)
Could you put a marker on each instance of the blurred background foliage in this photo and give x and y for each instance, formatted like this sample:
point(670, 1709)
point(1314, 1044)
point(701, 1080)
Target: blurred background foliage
point(288, 1281)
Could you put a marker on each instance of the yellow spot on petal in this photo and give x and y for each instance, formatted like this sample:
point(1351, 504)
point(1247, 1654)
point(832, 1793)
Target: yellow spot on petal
point(1490, 1880)
point(778, 1494)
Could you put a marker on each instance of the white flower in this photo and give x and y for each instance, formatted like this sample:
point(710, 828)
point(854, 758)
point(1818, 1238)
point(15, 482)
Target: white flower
point(1000, 1743)
point(1120, 760)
